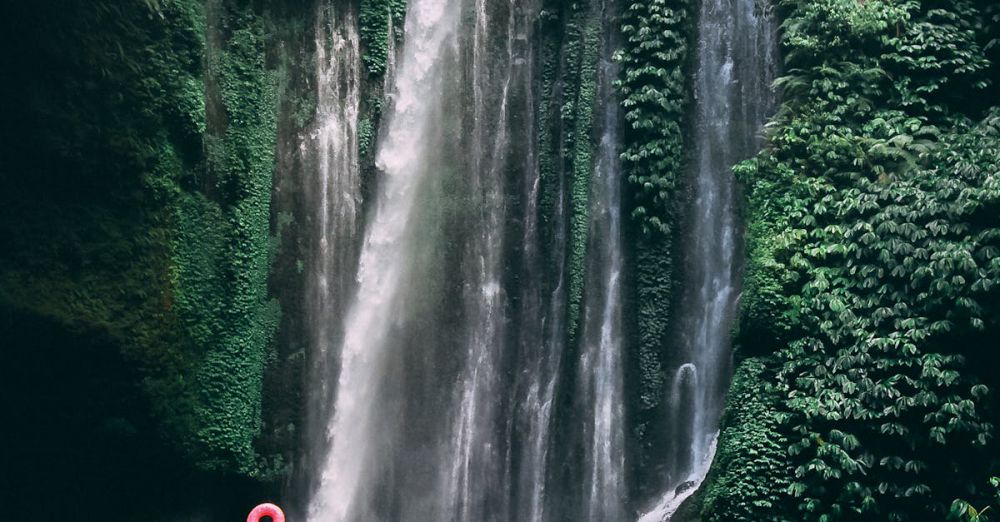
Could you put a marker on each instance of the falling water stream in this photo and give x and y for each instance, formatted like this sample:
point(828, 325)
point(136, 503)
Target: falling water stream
point(333, 145)
point(439, 331)
point(601, 386)
point(423, 423)
point(735, 66)
point(360, 429)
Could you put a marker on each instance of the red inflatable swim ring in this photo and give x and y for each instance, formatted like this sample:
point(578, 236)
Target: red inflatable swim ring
point(266, 510)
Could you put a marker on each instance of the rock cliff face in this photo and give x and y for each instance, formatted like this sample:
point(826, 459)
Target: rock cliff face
point(138, 160)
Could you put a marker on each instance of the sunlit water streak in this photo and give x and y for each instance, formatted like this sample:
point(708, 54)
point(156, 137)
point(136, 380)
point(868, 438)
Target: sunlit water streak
point(601, 368)
point(735, 64)
point(383, 268)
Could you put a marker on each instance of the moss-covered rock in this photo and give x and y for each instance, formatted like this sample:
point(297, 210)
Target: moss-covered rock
point(751, 471)
point(135, 195)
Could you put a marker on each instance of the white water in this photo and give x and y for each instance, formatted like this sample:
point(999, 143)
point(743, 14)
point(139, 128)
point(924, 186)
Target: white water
point(383, 268)
point(543, 297)
point(474, 459)
point(671, 502)
point(451, 347)
point(735, 67)
point(601, 371)
point(333, 143)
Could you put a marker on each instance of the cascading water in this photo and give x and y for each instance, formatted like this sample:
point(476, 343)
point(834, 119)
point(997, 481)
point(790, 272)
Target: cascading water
point(600, 381)
point(448, 357)
point(542, 316)
point(735, 68)
point(333, 145)
point(361, 428)
point(422, 425)
point(477, 480)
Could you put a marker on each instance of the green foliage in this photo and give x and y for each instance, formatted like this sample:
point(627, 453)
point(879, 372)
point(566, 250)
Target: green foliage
point(966, 512)
point(751, 469)
point(654, 96)
point(570, 49)
point(375, 18)
point(148, 214)
point(366, 138)
point(583, 48)
point(552, 162)
point(873, 256)
point(110, 115)
point(222, 254)
point(653, 267)
point(768, 299)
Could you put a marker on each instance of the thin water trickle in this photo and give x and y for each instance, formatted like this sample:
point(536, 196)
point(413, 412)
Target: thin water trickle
point(601, 373)
point(735, 67)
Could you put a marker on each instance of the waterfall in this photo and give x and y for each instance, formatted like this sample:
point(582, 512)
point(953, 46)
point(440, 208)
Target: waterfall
point(360, 431)
point(542, 315)
point(424, 425)
point(441, 359)
point(600, 381)
point(333, 147)
point(476, 482)
point(735, 66)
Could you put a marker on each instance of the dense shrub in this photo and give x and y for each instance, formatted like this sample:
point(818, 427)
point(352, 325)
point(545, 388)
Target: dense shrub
point(136, 202)
point(873, 256)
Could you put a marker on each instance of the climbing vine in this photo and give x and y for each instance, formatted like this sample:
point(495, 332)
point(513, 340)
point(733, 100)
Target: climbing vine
point(872, 261)
point(222, 253)
point(569, 59)
point(654, 96)
point(751, 472)
point(583, 47)
point(378, 22)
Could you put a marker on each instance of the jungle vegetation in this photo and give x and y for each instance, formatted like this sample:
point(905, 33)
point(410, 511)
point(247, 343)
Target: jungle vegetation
point(141, 252)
